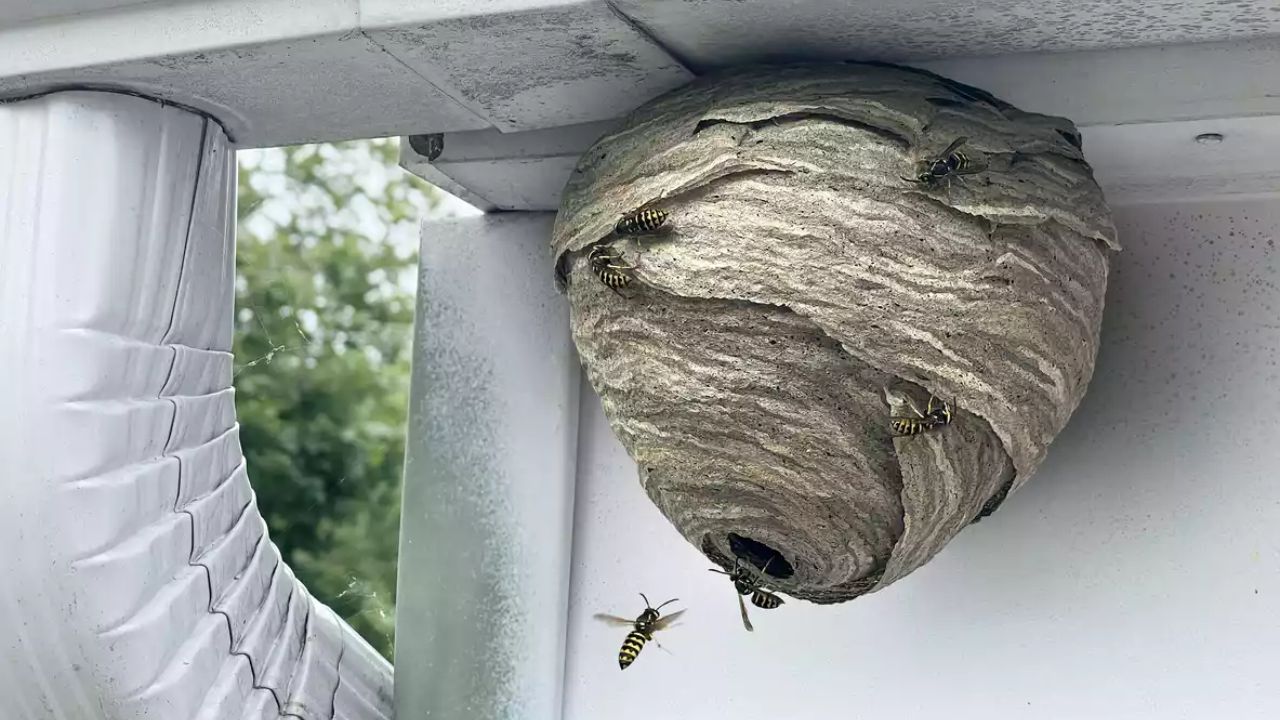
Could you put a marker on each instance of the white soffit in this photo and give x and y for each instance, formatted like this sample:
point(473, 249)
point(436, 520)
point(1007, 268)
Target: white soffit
point(519, 87)
point(262, 103)
point(271, 71)
point(289, 71)
point(558, 63)
point(718, 33)
point(1139, 110)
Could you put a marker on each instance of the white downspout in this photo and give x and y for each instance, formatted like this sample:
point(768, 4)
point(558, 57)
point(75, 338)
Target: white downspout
point(136, 577)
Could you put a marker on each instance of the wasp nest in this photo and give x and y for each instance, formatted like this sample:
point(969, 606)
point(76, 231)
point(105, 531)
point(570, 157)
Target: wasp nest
point(767, 267)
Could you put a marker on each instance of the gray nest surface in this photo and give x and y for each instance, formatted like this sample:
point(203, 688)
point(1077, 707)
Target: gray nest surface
point(805, 287)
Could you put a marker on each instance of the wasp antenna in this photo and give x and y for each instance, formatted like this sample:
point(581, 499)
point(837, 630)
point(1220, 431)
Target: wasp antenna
point(646, 600)
point(665, 603)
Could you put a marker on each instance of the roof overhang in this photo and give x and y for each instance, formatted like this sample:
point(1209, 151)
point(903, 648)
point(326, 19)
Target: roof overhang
point(516, 89)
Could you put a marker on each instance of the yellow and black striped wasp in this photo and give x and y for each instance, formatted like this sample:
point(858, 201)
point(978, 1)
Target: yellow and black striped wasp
point(608, 264)
point(932, 417)
point(749, 582)
point(642, 629)
point(641, 221)
point(950, 163)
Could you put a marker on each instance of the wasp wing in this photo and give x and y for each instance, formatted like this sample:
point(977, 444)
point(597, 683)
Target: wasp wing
point(746, 621)
point(613, 620)
point(955, 144)
point(666, 620)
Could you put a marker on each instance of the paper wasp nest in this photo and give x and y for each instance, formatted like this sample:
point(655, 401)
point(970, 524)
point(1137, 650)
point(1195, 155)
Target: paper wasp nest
point(806, 282)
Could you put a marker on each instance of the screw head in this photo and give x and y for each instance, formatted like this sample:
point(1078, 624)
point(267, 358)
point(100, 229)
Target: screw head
point(428, 146)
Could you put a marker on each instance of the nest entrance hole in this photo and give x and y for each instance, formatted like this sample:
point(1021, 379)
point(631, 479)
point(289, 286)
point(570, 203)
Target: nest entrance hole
point(761, 556)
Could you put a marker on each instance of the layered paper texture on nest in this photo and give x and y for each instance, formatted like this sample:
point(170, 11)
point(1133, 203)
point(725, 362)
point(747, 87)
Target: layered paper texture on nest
point(804, 287)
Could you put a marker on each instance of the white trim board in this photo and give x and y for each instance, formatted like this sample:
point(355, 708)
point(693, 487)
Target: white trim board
point(1134, 163)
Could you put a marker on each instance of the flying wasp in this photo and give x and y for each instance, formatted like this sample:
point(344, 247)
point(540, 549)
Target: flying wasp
point(747, 582)
point(948, 164)
point(641, 221)
point(608, 264)
point(642, 629)
point(933, 417)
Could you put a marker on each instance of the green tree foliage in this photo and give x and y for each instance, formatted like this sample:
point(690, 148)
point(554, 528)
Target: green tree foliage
point(326, 264)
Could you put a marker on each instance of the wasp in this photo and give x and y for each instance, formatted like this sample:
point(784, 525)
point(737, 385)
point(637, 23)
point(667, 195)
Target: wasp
point(641, 221)
point(951, 162)
point(747, 582)
point(642, 629)
point(932, 417)
point(608, 264)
